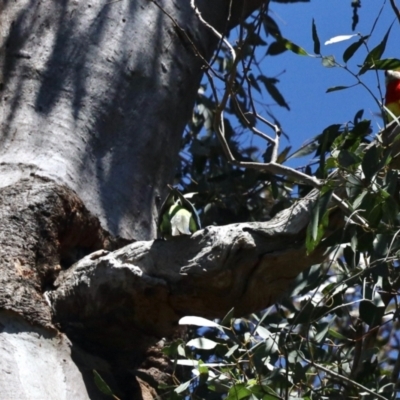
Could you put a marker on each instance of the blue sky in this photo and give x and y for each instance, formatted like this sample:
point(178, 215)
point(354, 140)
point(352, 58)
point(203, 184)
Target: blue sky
point(303, 80)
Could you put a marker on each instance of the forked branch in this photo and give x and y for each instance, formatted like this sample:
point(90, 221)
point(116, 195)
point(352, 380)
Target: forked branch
point(272, 167)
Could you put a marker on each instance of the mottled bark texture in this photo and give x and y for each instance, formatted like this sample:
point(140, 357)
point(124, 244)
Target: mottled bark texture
point(44, 227)
point(114, 298)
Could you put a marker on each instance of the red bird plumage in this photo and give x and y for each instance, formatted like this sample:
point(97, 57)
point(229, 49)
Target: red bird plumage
point(392, 98)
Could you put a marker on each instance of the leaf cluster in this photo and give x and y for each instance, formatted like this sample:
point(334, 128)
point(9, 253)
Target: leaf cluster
point(336, 334)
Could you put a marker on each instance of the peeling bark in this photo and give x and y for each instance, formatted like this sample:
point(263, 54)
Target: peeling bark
point(44, 226)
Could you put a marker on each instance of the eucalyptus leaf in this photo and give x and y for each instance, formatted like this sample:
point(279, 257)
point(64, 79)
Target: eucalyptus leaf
point(317, 44)
point(202, 343)
point(386, 64)
point(183, 387)
point(351, 50)
point(199, 321)
point(101, 384)
point(337, 88)
point(375, 54)
point(339, 38)
point(270, 85)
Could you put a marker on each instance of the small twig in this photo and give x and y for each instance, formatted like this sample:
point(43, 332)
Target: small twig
point(213, 89)
point(357, 349)
point(252, 128)
point(220, 130)
point(272, 166)
point(216, 33)
point(276, 128)
point(226, 28)
point(251, 59)
point(343, 378)
point(395, 9)
point(391, 244)
point(276, 168)
point(278, 133)
point(346, 208)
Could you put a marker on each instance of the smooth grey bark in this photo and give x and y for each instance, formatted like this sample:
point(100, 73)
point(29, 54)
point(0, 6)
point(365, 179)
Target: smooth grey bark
point(96, 96)
point(19, 345)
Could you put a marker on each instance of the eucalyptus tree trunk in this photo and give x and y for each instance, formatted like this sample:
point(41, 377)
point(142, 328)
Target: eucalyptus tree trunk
point(94, 99)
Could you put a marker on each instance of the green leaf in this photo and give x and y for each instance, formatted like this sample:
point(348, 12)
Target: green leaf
point(203, 369)
point(182, 222)
point(264, 333)
point(336, 88)
point(183, 387)
point(238, 392)
point(269, 84)
point(381, 245)
point(362, 128)
point(387, 63)
point(199, 321)
point(317, 44)
point(339, 38)
point(305, 150)
point(370, 163)
point(319, 221)
point(323, 329)
point(231, 351)
point(347, 158)
point(375, 54)
point(253, 82)
point(372, 204)
point(270, 26)
point(283, 154)
point(226, 321)
point(390, 210)
point(202, 343)
point(101, 384)
point(276, 48)
point(328, 61)
point(371, 311)
point(294, 47)
point(178, 215)
point(350, 51)
point(358, 116)
point(171, 350)
point(336, 334)
point(188, 363)
point(306, 313)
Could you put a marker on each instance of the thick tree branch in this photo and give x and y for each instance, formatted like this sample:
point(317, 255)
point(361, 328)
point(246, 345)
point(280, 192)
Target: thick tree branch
point(145, 287)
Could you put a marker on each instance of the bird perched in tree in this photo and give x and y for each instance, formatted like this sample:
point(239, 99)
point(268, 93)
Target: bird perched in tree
point(178, 215)
point(392, 98)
